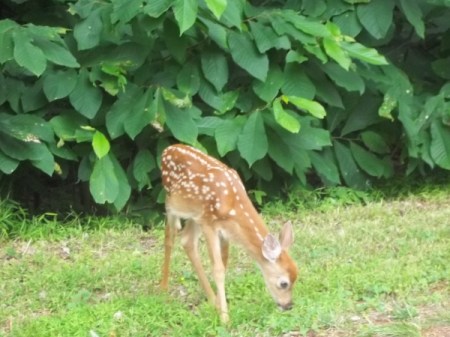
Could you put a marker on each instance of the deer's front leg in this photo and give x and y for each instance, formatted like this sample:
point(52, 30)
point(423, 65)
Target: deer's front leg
point(189, 240)
point(215, 252)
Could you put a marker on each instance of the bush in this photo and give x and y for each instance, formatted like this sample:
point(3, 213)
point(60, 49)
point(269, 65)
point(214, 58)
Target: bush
point(284, 91)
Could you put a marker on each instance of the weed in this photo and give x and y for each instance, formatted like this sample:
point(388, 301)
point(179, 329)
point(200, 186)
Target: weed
point(12, 216)
point(15, 222)
point(393, 330)
point(404, 312)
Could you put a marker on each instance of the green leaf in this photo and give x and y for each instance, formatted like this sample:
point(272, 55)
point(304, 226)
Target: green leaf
point(46, 163)
point(66, 125)
point(158, 109)
point(181, 124)
point(376, 17)
point(7, 164)
point(217, 7)
point(87, 32)
point(367, 161)
point(357, 1)
point(188, 79)
point(57, 53)
point(295, 56)
point(223, 102)
point(348, 23)
point(266, 38)
point(100, 144)
point(176, 44)
point(311, 138)
point(283, 27)
point(368, 55)
point(441, 67)
point(33, 97)
point(375, 142)
point(155, 8)
point(306, 25)
point(175, 98)
point(185, 13)
point(143, 164)
point(440, 144)
point(297, 83)
point(103, 182)
point(252, 142)
point(279, 151)
point(334, 50)
point(6, 40)
point(317, 50)
point(288, 152)
point(7, 25)
point(314, 108)
point(227, 134)
point(267, 90)
point(61, 151)
point(244, 53)
point(119, 112)
point(59, 84)
point(284, 118)
point(363, 114)
point(314, 8)
point(141, 115)
point(21, 150)
point(85, 169)
point(124, 11)
point(232, 16)
point(350, 80)
point(27, 55)
point(324, 89)
point(216, 32)
point(215, 68)
point(389, 104)
point(4, 92)
point(117, 81)
point(84, 134)
point(263, 169)
point(85, 97)
point(325, 165)
point(388, 167)
point(208, 125)
point(124, 186)
point(12, 90)
point(414, 14)
point(350, 172)
point(26, 127)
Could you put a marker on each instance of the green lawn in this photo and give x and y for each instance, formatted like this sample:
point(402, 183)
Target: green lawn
point(379, 269)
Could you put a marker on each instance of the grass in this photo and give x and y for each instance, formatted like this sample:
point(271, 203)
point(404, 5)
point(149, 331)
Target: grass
point(369, 267)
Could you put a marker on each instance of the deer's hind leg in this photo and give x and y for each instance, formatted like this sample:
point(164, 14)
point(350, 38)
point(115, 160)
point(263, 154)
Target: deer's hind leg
point(172, 225)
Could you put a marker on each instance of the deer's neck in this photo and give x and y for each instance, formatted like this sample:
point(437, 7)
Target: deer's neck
point(250, 230)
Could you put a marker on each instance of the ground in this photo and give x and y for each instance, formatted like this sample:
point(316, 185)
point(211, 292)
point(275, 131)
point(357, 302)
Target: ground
point(372, 270)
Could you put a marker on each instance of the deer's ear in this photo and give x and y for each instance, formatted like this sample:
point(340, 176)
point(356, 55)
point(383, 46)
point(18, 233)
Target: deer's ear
point(287, 235)
point(271, 248)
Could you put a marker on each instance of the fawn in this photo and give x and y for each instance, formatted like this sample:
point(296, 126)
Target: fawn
point(212, 200)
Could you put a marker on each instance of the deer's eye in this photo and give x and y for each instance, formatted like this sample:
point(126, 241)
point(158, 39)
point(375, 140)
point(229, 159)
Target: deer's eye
point(284, 284)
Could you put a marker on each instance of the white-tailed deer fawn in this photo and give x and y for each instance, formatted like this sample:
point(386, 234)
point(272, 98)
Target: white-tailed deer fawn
point(212, 199)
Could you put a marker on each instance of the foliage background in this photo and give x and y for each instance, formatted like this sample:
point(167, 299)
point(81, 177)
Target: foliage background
point(288, 92)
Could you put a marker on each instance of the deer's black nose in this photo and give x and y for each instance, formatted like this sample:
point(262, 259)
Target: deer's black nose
point(287, 306)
